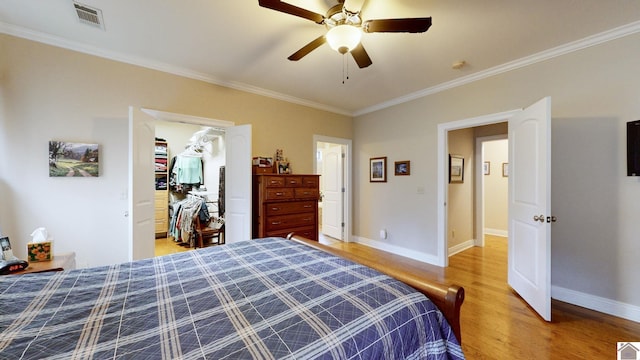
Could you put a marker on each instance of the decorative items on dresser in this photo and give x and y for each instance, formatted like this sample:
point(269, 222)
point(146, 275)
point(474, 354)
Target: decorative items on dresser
point(285, 203)
point(162, 188)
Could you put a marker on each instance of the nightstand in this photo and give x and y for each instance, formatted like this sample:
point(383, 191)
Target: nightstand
point(60, 262)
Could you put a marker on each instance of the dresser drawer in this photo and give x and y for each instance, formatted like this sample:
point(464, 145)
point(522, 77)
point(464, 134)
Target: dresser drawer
point(278, 194)
point(273, 181)
point(307, 193)
point(161, 198)
point(290, 221)
point(283, 208)
point(308, 232)
point(293, 181)
point(310, 181)
point(161, 226)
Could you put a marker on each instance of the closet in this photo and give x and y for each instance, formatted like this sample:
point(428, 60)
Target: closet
point(194, 205)
point(162, 189)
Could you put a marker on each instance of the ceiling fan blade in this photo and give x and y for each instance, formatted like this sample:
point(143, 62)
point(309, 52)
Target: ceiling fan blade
point(361, 57)
point(410, 25)
point(307, 48)
point(353, 6)
point(278, 5)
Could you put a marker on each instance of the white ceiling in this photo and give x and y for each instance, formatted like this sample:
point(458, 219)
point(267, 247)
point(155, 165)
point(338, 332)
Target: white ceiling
point(240, 44)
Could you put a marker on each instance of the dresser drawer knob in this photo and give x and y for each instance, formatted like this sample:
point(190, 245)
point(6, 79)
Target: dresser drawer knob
point(279, 194)
point(276, 222)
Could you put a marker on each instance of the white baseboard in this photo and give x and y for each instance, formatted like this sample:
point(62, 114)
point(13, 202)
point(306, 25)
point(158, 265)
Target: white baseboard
point(461, 247)
point(496, 232)
point(412, 254)
point(597, 303)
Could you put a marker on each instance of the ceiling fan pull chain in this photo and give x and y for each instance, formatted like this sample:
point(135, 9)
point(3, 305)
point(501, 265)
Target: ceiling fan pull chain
point(343, 76)
point(346, 61)
point(345, 69)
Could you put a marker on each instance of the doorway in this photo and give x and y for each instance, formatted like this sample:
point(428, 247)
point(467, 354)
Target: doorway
point(332, 161)
point(491, 209)
point(180, 182)
point(141, 172)
point(443, 172)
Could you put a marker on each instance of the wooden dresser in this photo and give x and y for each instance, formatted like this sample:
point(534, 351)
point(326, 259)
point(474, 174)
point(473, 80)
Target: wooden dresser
point(284, 204)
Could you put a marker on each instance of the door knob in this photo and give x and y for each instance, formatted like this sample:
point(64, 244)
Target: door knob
point(538, 218)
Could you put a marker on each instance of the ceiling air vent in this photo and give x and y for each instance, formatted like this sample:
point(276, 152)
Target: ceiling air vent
point(88, 15)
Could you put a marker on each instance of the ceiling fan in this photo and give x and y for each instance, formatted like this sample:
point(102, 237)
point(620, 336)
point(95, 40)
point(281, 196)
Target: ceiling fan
point(345, 27)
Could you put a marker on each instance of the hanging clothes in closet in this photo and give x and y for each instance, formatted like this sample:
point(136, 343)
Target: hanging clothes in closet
point(182, 226)
point(186, 171)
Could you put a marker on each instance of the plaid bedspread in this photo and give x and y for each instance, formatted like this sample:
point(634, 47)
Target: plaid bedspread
point(262, 299)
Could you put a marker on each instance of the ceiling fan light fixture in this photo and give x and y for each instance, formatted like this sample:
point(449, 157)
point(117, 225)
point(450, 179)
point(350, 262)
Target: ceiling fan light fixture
point(344, 38)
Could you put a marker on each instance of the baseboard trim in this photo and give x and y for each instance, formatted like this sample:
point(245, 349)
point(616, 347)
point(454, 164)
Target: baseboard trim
point(496, 232)
point(597, 303)
point(412, 254)
point(461, 247)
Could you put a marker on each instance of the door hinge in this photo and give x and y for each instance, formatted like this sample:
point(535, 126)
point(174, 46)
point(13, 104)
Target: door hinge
point(342, 224)
point(343, 189)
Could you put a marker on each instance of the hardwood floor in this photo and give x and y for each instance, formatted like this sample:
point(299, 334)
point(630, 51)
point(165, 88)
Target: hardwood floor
point(496, 323)
point(166, 246)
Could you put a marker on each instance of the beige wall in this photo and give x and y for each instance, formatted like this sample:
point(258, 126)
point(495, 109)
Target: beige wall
point(496, 207)
point(594, 93)
point(51, 93)
point(461, 204)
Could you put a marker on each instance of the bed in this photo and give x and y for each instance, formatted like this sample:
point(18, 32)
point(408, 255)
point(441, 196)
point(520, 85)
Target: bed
point(270, 298)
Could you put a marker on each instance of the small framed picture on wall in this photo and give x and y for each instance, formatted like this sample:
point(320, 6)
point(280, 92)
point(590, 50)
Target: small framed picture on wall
point(378, 169)
point(456, 169)
point(402, 168)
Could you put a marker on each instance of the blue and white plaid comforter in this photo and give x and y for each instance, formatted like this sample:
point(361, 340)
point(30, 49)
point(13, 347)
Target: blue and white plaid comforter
point(263, 299)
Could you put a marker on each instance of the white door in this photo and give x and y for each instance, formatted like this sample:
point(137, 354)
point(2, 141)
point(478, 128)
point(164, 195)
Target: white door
point(529, 174)
point(237, 182)
point(333, 200)
point(141, 190)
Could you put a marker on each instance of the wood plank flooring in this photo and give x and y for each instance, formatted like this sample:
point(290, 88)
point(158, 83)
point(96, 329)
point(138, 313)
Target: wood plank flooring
point(496, 322)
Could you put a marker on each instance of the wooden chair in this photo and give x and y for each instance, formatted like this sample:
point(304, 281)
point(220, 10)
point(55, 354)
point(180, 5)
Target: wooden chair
point(207, 232)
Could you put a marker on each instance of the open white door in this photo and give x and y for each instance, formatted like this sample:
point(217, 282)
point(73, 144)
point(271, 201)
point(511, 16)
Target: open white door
point(141, 190)
point(332, 201)
point(529, 174)
point(237, 214)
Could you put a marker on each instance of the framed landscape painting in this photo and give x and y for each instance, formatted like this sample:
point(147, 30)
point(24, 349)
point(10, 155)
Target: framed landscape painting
point(73, 159)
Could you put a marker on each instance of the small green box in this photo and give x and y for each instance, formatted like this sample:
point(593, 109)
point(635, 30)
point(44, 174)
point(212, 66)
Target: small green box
point(39, 251)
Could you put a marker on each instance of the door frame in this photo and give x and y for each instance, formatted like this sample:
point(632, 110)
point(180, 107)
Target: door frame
point(347, 176)
point(442, 256)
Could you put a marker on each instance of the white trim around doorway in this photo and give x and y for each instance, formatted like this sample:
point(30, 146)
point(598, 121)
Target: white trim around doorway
point(443, 161)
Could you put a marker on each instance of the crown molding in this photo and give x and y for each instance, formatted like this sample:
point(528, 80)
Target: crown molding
point(584, 43)
point(48, 39)
point(593, 40)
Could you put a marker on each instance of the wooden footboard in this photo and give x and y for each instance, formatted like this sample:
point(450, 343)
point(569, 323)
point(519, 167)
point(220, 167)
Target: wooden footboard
point(448, 298)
